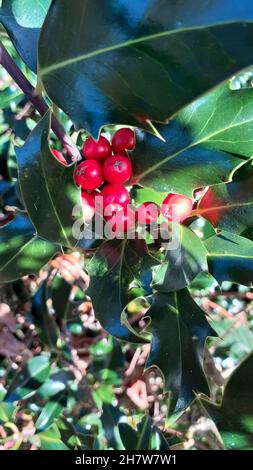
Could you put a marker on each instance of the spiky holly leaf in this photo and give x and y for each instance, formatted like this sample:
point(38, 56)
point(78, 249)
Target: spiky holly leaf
point(179, 330)
point(185, 258)
point(200, 144)
point(117, 264)
point(136, 61)
point(230, 258)
point(234, 417)
point(229, 206)
point(22, 251)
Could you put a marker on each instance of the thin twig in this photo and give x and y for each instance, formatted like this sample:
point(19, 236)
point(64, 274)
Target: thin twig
point(13, 70)
point(133, 362)
point(23, 112)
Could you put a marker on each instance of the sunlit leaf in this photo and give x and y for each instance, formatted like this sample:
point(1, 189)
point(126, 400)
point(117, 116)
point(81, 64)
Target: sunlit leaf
point(184, 259)
point(23, 19)
point(55, 383)
point(50, 439)
point(52, 409)
point(21, 250)
point(195, 152)
point(229, 206)
point(29, 379)
point(230, 258)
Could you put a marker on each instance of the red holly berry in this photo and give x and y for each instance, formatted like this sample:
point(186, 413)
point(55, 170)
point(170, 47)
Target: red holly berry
point(115, 197)
point(147, 213)
point(59, 156)
point(88, 175)
point(177, 207)
point(88, 206)
point(117, 169)
point(123, 139)
point(97, 150)
point(122, 221)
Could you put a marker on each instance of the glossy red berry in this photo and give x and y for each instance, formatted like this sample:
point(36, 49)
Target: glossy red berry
point(177, 207)
point(97, 149)
point(123, 139)
point(88, 206)
point(115, 196)
point(59, 156)
point(122, 221)
point(88, 175)
point(117, 169)
point(147, 213)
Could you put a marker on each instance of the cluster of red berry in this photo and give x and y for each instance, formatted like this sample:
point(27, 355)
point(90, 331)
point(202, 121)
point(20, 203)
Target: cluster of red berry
point(106, 167)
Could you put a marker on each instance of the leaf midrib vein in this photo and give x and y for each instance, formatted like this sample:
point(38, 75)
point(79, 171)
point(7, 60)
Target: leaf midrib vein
point(18, 253)
point(200, 211)
point(228, 255)
point(88, 55)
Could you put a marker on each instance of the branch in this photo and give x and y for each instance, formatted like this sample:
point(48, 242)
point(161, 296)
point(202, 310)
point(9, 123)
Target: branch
point(8, 63)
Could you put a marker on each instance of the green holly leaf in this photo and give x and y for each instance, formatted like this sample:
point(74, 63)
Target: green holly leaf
point(22, 20)
point(160, 440)
point(229, 206)
point(195, 152)
point(230, 258)
point(184, 259)
point(29, 379)
point(60, 297)
point(179, 330)
point(7, 412)
point(110, 420)
point(22, 251)
point(136, 61)
point(140, 438)
point(128, 436)
point(117, 264)
point(234, 417)
point(51, 411)
point(222, 120)
point(50, 439)
point(57, 382)
point(73, 439)
point(140, 195)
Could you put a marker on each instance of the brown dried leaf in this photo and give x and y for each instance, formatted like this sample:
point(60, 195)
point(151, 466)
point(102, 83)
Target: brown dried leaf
point(10, 346)
point(6, 317)
point(70, 268)
point(138, 394)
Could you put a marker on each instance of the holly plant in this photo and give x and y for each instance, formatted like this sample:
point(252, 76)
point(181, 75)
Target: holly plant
point(136, 160)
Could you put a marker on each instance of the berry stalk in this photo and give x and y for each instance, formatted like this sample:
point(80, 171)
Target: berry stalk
point(9, 65)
